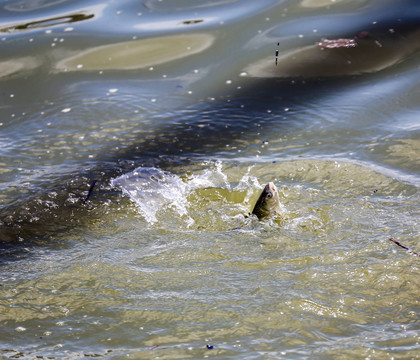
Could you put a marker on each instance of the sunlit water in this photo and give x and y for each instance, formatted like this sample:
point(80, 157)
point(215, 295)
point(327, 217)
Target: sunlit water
point(135, 138)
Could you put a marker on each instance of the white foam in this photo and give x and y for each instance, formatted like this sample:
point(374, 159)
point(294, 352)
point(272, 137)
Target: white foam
point(152, 190)
point(155, 191)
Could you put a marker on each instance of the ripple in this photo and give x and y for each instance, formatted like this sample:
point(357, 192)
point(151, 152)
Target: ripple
point(137, 54)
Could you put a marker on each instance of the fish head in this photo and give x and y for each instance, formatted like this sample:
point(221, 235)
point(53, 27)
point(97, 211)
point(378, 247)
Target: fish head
point(271, 195)
point(268, 202)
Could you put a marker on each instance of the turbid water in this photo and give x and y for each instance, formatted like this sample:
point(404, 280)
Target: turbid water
point(135, 138)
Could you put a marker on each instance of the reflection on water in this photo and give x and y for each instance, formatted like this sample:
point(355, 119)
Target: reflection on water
point(18, 65)
point(331, 3)
point(60, 20)
point(178, 114)
point(30, 5)
point(370, 53)
point(137, 54)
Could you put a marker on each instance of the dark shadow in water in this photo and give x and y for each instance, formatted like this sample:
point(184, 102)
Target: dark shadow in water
point(201, 133)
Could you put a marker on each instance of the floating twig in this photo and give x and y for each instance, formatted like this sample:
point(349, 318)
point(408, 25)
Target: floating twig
point(404, 247)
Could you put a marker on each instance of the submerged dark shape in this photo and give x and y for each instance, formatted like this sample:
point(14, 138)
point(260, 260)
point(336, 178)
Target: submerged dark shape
point(268, 204)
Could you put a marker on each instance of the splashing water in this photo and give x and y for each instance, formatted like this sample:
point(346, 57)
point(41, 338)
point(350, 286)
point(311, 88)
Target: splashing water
point(154, 190)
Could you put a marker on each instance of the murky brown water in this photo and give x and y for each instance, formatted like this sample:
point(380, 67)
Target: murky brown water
point(178, 113)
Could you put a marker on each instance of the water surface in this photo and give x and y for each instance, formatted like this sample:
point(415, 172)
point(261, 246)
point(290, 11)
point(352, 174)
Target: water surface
point(179, 114)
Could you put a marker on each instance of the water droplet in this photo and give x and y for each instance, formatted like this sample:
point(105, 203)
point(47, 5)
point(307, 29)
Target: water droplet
point(113, 90)
point(20, 329)
point(67, 29)
point(79, 66)
point(243, 73)
point(228, 82)
point(66, 110)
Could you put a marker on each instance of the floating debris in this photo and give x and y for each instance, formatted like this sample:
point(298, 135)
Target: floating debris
point(337, 43)
point(404, 247)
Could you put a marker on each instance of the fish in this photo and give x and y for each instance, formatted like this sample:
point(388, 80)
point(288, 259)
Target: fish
point(268, 204)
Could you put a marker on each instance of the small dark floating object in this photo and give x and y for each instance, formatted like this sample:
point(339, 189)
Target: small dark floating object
point(192, 22)
point(404, 247)
point(90, 191)
point(210, 347)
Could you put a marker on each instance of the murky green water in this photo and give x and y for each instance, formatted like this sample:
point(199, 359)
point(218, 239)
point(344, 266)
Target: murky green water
point(178, 114)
